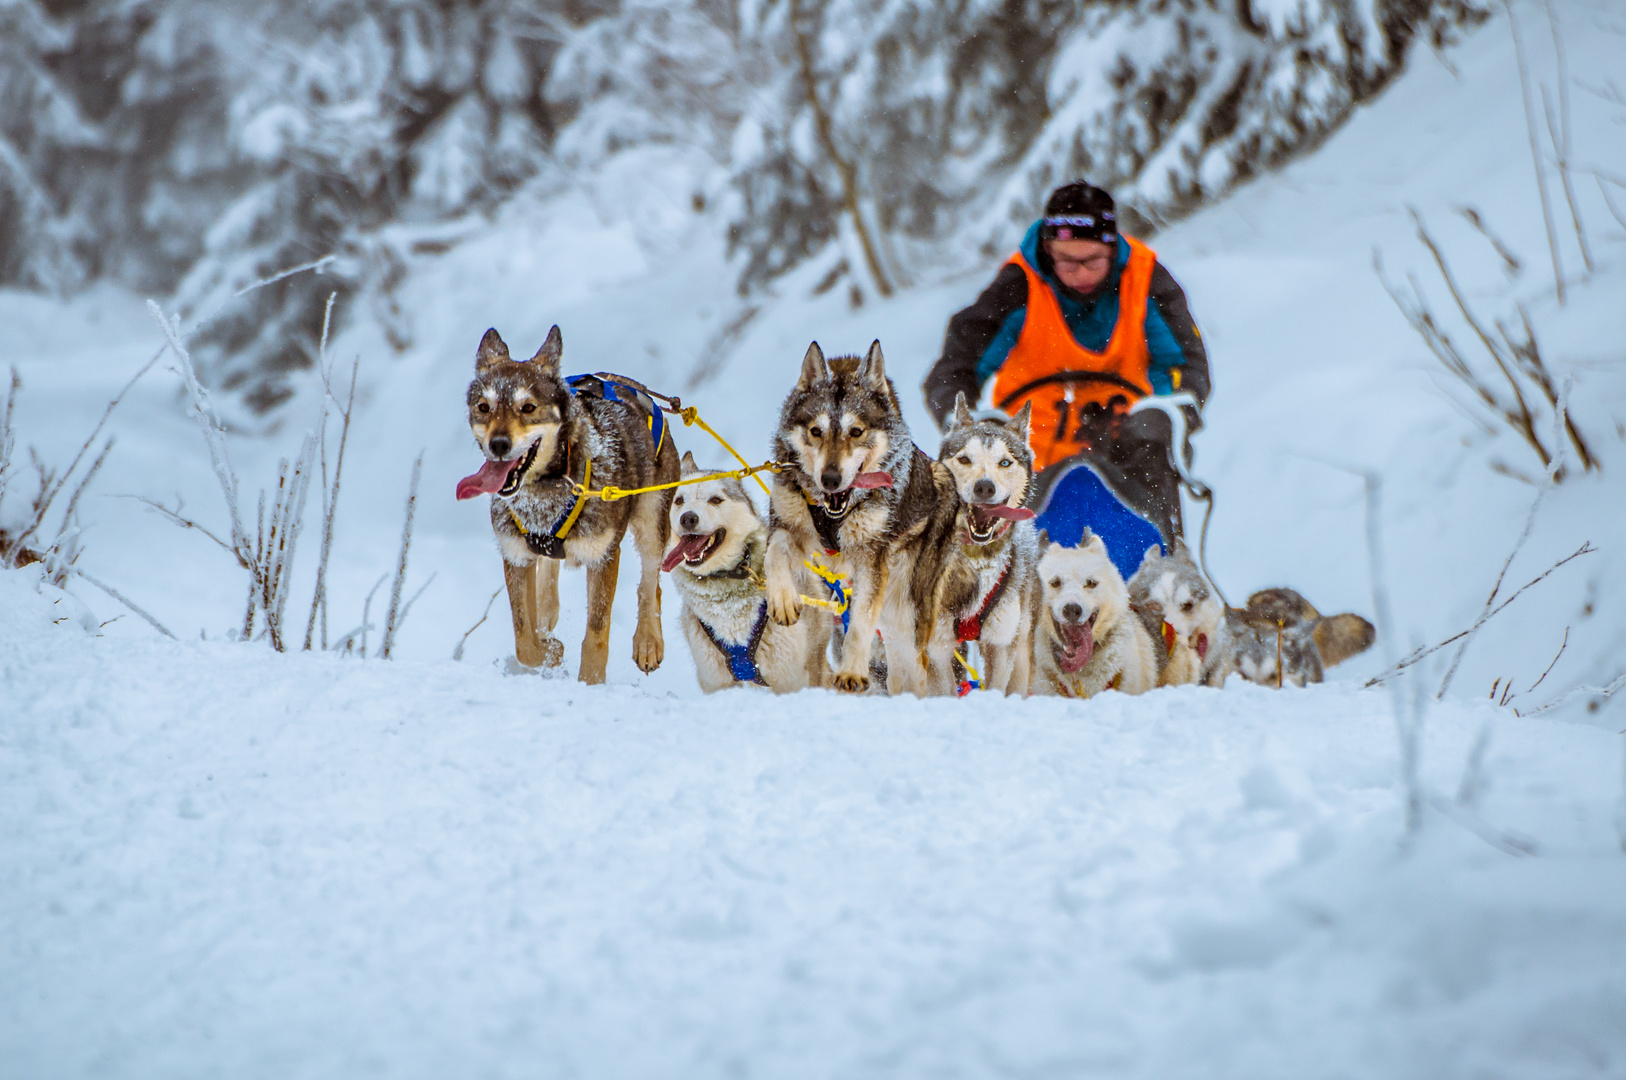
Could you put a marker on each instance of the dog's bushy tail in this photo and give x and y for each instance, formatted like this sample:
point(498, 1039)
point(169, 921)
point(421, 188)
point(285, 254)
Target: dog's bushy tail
point(1339, 637)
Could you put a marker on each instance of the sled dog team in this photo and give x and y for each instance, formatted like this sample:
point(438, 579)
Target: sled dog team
point(879, 566)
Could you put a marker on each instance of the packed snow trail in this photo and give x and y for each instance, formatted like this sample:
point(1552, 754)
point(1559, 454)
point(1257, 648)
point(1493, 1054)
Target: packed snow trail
point(225, 862)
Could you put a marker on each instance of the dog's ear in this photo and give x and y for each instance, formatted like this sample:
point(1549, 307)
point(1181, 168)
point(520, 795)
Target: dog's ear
point(493, 350)
point(1044, 539)
point(552, 349)
point(1022, 422)
point(961, 417)
point(1180, 548)
point(1154, 554)
point(814, 369)
point(687, 463)
point(872, 369)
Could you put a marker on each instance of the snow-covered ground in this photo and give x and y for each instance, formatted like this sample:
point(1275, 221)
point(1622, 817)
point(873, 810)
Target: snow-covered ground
point(223, 861)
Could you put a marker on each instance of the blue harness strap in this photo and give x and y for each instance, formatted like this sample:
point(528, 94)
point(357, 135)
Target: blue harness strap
point(742, 659)
point(1080, 499)
point(612, 389)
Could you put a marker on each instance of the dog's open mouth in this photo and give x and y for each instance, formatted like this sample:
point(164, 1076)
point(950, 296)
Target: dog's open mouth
point(692, 549)
point(837, 503)
point(1077, 644)
point(989, 521)
point(500, 477)
point(1199, 643)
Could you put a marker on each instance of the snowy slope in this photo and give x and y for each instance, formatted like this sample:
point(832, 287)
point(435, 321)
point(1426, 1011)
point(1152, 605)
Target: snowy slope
point(237, 863)
point(252, 865)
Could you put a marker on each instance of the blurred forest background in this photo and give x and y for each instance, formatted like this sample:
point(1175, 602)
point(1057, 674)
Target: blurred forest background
point(188, 148)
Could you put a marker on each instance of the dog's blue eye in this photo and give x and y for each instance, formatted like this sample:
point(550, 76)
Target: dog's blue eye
point(1005, 463)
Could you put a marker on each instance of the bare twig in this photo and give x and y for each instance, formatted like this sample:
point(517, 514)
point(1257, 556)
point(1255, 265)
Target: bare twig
point(406, 608)
point(1561, 647)
point(121, 598)
point(391, 620)
point(316, 264)
point(366, 613)
point(73, 500)
point(1535, 151)
point(1602, 693)
point(330, 499)
point(210, 426)
point(1418, 655)
point(8, 435)
point(1510, 262)
point(457, 653)
point(176, 518)
point(1559, 134)
point(44, 505)
point(1615, 211)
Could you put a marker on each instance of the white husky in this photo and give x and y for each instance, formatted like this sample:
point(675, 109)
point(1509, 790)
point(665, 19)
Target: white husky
point(1087, 640)
point(715, 561)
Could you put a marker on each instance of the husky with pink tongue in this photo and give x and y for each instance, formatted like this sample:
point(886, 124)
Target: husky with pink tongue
point(545, 441)
point(1087, 640)
point(715, 561)
point(984, 590)
point(858, 496)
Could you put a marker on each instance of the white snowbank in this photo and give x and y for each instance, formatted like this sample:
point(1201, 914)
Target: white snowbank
point(242, 864)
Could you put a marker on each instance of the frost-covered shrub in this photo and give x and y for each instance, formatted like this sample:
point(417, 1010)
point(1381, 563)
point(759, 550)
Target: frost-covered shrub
point(195, 146)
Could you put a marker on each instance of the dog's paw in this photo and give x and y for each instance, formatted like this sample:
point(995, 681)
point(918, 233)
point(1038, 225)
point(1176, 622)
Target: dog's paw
point(648, 650)
point(784, 607)
point(541, 651)
point(851, 684)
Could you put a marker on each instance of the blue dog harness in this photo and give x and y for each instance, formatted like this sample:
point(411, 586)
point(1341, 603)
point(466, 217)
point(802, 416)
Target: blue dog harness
point(613, 388)
point(551, 544)
point(742, 659)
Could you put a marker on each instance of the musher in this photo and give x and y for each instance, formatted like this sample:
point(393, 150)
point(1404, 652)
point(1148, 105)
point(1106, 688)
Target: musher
point(1084, 322)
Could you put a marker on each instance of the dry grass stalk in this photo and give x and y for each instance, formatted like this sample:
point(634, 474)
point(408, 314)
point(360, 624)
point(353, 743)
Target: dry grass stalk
point(392, 619)
point(1535, 151)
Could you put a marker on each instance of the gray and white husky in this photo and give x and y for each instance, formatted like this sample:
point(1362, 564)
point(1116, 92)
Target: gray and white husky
point(985, 590)
point(858, 492)
point(1087, 640)
point(1182, 613)
point(715, 560)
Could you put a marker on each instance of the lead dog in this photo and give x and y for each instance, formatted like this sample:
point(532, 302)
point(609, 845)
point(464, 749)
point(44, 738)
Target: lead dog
point(715, 561)
point(857, 490)
point(540, 437)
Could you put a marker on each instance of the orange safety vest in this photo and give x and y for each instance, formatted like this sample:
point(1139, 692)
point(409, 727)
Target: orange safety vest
point(1048, 366)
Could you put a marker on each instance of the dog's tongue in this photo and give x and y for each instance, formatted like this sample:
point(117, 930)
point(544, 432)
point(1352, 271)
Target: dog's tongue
point(983, 512)
point(687, 546)
point(491, 477)
point(869, 480)
point(1202, 646)
point(1080, 642)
